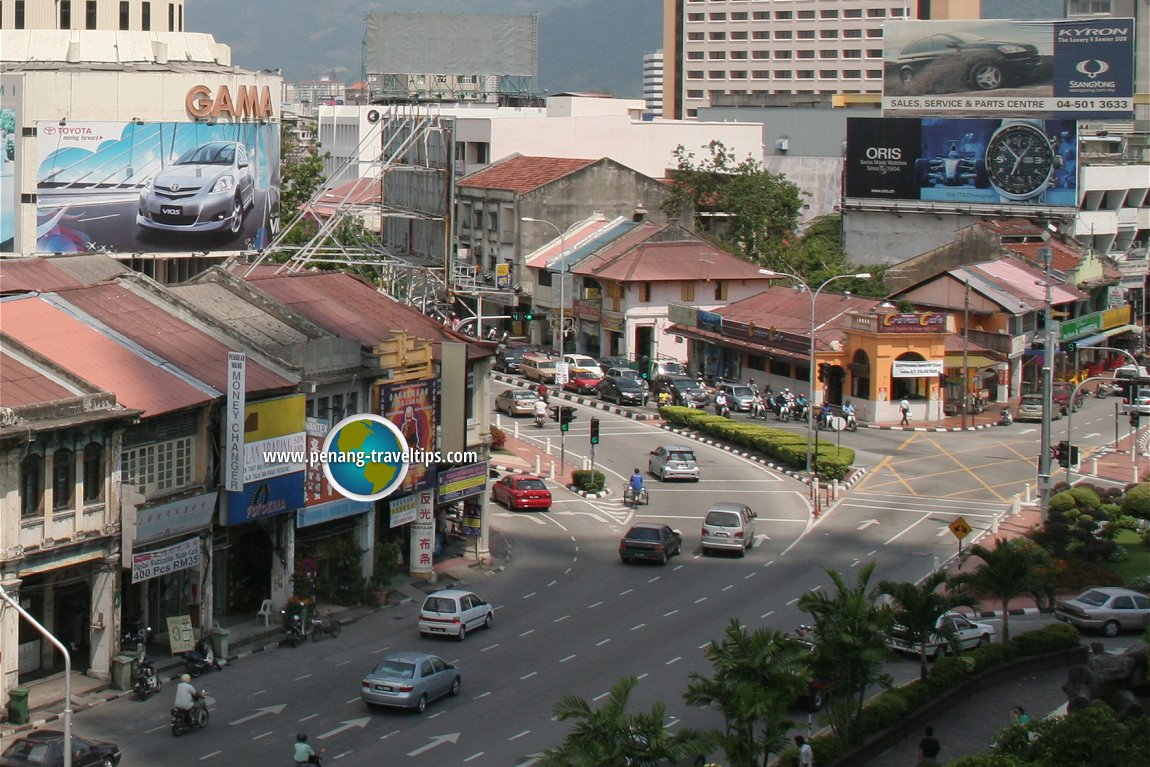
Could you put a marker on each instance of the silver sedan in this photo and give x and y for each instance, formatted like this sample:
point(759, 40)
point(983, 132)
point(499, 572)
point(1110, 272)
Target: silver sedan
point(409, 680)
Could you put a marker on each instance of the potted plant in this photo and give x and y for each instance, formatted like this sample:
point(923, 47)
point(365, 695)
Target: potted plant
point(388, 556)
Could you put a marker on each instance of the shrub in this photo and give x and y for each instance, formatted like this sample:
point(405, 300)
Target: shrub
point(882, 710)
point(498, 438)
point(1085, 498)
point(588, 481)
point(949, 672)
point(1136, 503)
point(986, 658)
point(1049, 638)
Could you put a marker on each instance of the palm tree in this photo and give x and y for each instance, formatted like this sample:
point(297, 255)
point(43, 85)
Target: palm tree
point(850, 649)
point(757, 676)
point(917, 608)
point(611, 737)
point(1009, 570)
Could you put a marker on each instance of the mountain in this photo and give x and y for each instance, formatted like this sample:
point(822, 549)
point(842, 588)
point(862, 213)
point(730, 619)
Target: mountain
point(584, 45)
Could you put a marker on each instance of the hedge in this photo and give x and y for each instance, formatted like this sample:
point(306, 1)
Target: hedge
point(785, 447)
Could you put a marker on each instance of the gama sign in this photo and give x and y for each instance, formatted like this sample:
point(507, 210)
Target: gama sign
point(912, 322)
point(253, 101)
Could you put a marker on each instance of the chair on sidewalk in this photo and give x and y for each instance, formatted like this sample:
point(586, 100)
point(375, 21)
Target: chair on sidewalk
point(265, 612)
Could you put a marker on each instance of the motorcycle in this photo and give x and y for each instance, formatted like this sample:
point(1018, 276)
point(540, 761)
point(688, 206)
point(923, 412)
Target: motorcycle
point(293, 629)
point(136, 633)
point(201, 659)
point(1102, 391)
point(785, 411)
point(324, 624)
point(191, 719)
point(723, 409)
point(147, 682)
point(539, 417)
point(852, 422)
point(1007, 418)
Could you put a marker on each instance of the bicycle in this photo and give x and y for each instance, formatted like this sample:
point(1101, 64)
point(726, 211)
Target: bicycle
point(631, 500)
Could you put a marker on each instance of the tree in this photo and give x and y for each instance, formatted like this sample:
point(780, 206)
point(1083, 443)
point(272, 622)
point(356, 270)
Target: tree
point(300, 181)
point(757, 676)
point(759, 210)
point(611, 737)
point(917, 607)
point(851, 646)
point(1009, 570)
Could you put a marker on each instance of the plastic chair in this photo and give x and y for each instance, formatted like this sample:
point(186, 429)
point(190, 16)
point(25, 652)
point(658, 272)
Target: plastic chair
point(265, 612)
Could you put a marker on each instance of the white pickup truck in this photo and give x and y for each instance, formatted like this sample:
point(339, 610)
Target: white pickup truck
point(966, 634)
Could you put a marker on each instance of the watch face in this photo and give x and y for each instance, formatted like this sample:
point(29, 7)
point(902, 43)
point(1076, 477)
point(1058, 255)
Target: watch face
point(1019, 161)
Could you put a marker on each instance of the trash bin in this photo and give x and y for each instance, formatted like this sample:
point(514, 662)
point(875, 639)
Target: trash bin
point(220, 642)
point(18, 705)
point(123, 670)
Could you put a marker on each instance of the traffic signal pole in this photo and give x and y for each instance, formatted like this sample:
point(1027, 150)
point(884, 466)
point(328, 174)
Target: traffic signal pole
point(1049, 348)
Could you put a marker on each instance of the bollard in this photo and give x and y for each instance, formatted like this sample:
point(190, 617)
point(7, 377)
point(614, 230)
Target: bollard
point(516, 430)
point(547, 448)
point(499, 420)
point(538, 466)
point(1094, 466)
point(1028, 492)
point(935, 568)
point(1134, 471)
point(552, 471)
point(994, 525)
point(1016, 505)
point(835, 490)
point(586, 464)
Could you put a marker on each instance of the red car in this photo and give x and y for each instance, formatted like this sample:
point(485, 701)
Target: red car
point(583, 380)
point(521, 491)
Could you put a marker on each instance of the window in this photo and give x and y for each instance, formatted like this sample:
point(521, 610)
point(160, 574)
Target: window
point(738, 74)
point(481, 150)
point(692, 113)
point(760, 74)
point(874, 74)
point(761, 34)
point(828, 34)
point(644, 292)
point(146, 16)
point(125, 15)
point(739, 55)
point(65, 14)
point(90, 14)
point(874, 34)
point(694, 55)
point(163, 466)
point(806, 15)
point(19, 14)
point(336, 414)
point(739, 16)
point(31, 485)
point(806, 34)
point(694, 94)
point(93, 473)
point(828, 14)
point(720, 291)
point(784, 55)
point(1088, 7)
point(854, 54)
point(171, 17)
point(784, 34)
point(829, 74)
point(739, 35)
point(806, 54)
point(805, 74)
point(852, 13)
point(694, 74)
point(830, 54)
point(759, 55)
point(852, 34)
point(874, 53)
point(696, 36)
point(63, 479)
point(782, 74)
point(718, 17)
point(717, 36)
point(696, 17)
point(876, 13)
point(852, 74)
point(761, 15)
point(717, 74)
point(716, 55)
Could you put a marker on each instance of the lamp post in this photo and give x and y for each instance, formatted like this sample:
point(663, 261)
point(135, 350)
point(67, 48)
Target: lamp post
point(1133, 404)
point(811, 370)
point(560, 330)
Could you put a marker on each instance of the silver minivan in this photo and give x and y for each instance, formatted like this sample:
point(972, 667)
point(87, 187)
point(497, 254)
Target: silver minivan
point(729, 526)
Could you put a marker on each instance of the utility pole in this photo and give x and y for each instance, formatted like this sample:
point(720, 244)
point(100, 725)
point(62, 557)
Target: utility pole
point(1049, 348)
point(965, 354)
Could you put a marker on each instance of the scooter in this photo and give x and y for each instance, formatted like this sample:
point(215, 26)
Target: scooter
point(1102, 391)
point(136, 633)
point(723, 409)
point(201, 659)
point(1006, 419)
point(148, 682)
point(852, 422)
point(539, 418)
point(293, 629)
point(192, 719)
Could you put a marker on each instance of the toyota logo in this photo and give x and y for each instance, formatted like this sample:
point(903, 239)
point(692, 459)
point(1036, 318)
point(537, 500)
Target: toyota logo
point(1092, 68)
point(174, 187)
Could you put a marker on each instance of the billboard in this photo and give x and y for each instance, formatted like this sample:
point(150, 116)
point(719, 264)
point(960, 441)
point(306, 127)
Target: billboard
point(9, 141)
point(145, 187)
point(273, 476)
point(964, 161)
point(436, 43)
point(1047, 68)
point(411, 407)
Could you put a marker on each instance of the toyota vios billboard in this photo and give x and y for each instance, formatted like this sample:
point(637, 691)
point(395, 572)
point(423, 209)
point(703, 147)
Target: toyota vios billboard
point(156, 187)
point(1063, 68)
point(1011, 161)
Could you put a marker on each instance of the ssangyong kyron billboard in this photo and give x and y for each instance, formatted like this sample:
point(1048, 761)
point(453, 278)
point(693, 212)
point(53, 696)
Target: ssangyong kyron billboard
point(1048, 68)
point(143, 187)
point(1011, 161)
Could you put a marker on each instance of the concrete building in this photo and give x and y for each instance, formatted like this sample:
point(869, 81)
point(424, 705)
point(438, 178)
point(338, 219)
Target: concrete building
point(653, 82)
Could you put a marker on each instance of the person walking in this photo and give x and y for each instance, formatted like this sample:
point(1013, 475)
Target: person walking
point(928, 748)
point(904, 409)
point(806, 755)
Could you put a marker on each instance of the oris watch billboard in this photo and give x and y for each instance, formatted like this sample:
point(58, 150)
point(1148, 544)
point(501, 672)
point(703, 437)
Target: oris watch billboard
point(156, 187)
point(1049, 68)
point(1011, 161)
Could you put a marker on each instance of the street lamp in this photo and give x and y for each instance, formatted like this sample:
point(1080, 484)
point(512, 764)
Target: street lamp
point(560, 330)
point(1074, 398)
point(811, 371)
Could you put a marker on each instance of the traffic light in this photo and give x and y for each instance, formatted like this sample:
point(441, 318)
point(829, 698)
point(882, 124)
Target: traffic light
point(1071, 347)
point(566, 415)
point(517, 316)
point(1062, 453)
point(824, 371)
point(594, 431)
point(1135, 418)
point(1073, 455)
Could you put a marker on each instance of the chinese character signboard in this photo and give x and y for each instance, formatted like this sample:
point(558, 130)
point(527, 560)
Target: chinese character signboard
point(423, 535)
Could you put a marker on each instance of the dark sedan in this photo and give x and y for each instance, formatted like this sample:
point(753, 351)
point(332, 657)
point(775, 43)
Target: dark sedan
point(623, 391)
point(684, 390)
point(950, 62)
point(507, 361)
point(651, 542)
point(45, 748)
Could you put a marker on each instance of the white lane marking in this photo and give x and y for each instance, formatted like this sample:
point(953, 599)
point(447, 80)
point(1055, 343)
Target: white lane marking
point(560, 620)
point(298, 678)
point(310, 716)
point(728, 587)
point(594, 604)
point(480, 695)
point(750, 575)
point(636, 628)
point(626, 592)
point(528, 631)
point(388, 735)
point(209, 756)
point(342, 663)
point(528, 676)
point(519, 734)
point(600, 696)
point(564, 660)
point(476, 755)
point(490, 647)
point(767, 614)
point(668, 615)
point(796, 599)
point(552, 583)
point(867, 523)
point(262, 735)
point(652, 580)
point(676, 659)
point(602, 642)
point(700, 599)
point(528, 596)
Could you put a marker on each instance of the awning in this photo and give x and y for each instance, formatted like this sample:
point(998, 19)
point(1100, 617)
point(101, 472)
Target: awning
point(1094, 339)
point(972, 360)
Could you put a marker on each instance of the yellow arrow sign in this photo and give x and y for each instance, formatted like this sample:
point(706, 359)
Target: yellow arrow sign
point(960, 528)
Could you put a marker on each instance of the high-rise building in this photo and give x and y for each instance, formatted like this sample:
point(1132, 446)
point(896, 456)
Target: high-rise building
point(758, 47)
point(653, 82)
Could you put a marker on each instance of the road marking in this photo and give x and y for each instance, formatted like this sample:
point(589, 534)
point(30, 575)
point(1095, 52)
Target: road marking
point(700, 599)
point(353, 700)
point(490, 647)
point(942, 531)
point(262, 735)
point(796, 599)
point(437, 740)
point(476, 755)
point(156, 729)
point(528, 676)
point(261, 712)
point(209, 756)
point(867, 523)
point(342, 663)
point(668, 615)
point(593, 604)
point(767, 614)
point(561, 619)
point(388, 735)
point(528, 596)
point(312, 716)
point(728, 587)
point(519, 734)
point(600, 697)
point(564, 660)
point(480, 695)
point(528, 631)
point(676, 659)
point(749, 575)
point(625, 593)
point(602, 642)
point(552, 583)
point(346, 725)
point(652, 580)
point(642, 676)
point(298, 678)
point(636, 628)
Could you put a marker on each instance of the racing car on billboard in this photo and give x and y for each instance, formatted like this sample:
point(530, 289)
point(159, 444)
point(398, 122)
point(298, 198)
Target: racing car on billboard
point(956, 168)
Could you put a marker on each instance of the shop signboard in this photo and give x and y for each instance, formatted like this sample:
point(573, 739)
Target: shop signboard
point(411, 407)
point(917, 368)
point(165, 520)
point(1080, 326)
point(401, 511)
point(156, 187)
point(170, 559)
point(709, 321)
point(614, 322)
point(956, 162)
point(913, 322)
point(681, 314)
point(272, 484)
point(462, 482)
point(1073, 68)
point(423, 535)
point(472, 520)
point(585, 311)
point(181, 635)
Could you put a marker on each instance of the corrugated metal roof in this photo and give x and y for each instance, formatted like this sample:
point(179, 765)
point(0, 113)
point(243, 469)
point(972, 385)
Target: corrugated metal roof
point(24, 275)
point(1025, 282)
point(524, 174)
point(22, 385)
point(575, 234)
point(656, 260)
point(788, 310)
point(264, 330)
point(139, 381)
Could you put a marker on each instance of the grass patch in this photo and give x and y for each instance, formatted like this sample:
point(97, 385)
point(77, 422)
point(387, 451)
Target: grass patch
point(1136, 564)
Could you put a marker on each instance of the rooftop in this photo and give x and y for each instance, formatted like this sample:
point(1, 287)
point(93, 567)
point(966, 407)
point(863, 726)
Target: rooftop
point(524, 174)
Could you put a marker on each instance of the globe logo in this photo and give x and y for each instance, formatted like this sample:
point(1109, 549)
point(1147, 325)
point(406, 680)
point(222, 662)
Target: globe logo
point(364, 457)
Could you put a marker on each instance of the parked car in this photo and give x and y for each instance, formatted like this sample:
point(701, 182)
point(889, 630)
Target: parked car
point(739, 396)
point(623, 391)
point(606, 363)
point(583, 380)
point(45, 748)
point(521, 491)
point(581, 361)
point(728, 526)
point(966, 634)
point(208, 188)
point(1060, 392)
point(1030, 409)
point(507, 361)
point(668, 368)
point(538, 367)
point(454, 612)
point(673, 462)
point(409, 680)
point(1141, 405)
point(683, 390)
point(651, 542)
point(957, 61)
point(516, 402)
point(1107, 609)
point(629, 373)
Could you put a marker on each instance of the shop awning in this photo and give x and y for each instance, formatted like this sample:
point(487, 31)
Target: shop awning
point(954, 360)
point(1094, 339)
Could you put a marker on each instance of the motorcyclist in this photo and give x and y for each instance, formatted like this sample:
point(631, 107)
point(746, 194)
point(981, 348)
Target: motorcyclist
point(304, 754)
point(542, 391)
point(540, 408)
point(849, 411)
point(186, 697)
point(721, 403)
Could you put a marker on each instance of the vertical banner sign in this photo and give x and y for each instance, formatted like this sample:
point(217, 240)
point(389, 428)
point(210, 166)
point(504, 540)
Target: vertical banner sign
point(423, 536)
point(234, 422)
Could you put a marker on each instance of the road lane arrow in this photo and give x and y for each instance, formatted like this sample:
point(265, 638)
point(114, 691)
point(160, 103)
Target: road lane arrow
point(438, 740)
point(260, 712)
point(867, 523)
point(347, 725)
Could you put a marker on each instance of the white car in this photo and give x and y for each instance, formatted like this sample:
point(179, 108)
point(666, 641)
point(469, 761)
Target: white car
point(581, 361)
point(453, 612)
point(1141, 405)
point(967, 634)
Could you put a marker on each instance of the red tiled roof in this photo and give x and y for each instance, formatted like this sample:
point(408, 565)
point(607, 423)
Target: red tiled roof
point(685, 260)
point(1063, 258)
point(22, 385)
point(351, 308)
point(524, 174)
point(789, 311)
point(139, 382)
point(23, 275)
point(167, 336)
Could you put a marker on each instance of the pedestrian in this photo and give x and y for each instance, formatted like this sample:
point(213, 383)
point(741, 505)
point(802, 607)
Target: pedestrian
point(806, 756)
point(904, 408)
point(928, 748)
point(1018, 715)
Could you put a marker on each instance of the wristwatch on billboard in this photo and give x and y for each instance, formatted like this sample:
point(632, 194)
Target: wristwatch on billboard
point(1020, 160)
